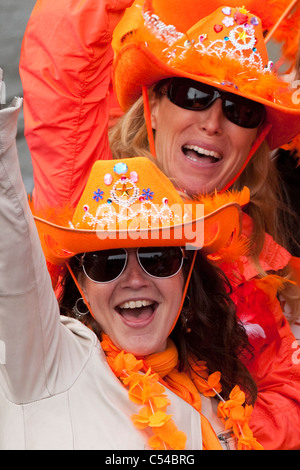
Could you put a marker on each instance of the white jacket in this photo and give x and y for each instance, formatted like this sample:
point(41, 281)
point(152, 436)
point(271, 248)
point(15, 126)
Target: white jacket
point(57, 390)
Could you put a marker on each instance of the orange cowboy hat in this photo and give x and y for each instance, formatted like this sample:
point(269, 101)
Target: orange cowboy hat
point(128, 203)
point(225, 49)
point(182, 14)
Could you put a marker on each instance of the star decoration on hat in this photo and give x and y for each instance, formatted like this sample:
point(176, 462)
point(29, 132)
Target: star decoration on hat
point(244, 36)
point(124, 189)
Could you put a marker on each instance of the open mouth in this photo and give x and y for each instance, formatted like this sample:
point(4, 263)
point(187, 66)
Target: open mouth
point(196, 154)
point(137, 313)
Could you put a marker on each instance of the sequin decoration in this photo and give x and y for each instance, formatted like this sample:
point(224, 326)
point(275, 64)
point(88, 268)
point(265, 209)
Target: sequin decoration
point(226, 11)
point(143, 214)
point(124, 192)
point(254, 21)
point(134, 176)
point(165, 32)
point(147, 194)
point(237, 43)
point(120, 168)
point(228, 22)
point(240, 18)
point(218, 28)
point(108, 179)
point(126, 204)
point(98, 195)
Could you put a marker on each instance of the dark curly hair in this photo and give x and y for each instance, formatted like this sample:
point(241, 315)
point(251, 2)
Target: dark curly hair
point(213, 335)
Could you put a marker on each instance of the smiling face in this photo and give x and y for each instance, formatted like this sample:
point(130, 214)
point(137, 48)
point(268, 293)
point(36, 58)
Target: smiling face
point(135, 310)
point(200, 151)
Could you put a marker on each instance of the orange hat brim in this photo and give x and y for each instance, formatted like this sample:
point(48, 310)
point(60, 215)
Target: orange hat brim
point(215, 231)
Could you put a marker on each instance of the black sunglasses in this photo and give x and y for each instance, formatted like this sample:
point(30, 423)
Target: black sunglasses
point(197, 96)
point(108, 265)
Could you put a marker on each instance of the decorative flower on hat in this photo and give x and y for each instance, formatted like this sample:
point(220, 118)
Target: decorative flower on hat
point(98, 195)
point(147, 194)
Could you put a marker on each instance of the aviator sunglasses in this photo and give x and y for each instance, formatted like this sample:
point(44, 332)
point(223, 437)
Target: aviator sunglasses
point(108, 265)
point(197, 96)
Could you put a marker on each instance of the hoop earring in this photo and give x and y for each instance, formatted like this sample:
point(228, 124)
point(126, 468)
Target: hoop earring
point(77, 312)
point(186, 314)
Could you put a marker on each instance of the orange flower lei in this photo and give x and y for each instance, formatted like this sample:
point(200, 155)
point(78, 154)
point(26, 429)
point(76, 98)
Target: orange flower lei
point(144, 389)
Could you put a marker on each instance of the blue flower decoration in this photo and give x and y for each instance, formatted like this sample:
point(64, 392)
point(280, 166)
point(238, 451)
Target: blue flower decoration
point(98, 195)
point(120, 168)
point(147, 194)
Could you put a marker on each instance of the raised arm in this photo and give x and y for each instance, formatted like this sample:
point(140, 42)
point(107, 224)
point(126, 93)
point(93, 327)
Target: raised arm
point(39, 355)
point(65, 69)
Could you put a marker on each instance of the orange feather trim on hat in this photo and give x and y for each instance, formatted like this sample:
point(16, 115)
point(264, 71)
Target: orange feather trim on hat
point(217, 200)
point(226, 49)
point(228, 70)
point(239, 246)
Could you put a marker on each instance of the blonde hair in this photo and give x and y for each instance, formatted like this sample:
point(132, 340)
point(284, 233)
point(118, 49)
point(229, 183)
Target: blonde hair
point(129, 138)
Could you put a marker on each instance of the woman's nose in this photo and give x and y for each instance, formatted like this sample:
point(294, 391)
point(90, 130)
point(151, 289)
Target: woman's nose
point(134, 276)
point(212, 118)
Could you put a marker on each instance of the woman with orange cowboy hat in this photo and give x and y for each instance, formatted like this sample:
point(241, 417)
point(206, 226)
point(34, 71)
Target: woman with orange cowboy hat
point(68, 134)
point(159, 364)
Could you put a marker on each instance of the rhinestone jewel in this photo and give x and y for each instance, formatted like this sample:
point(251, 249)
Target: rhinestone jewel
point(226, 10)
point(134, 176)
point(218, 28)
point(108, 179)
point(254, 21)
point(240, 18)
point(120, 168)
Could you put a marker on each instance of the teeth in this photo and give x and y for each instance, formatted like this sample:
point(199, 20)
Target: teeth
point(136, 304)
point(200, 150)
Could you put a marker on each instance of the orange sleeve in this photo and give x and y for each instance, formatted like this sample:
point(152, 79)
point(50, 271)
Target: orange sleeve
point(274, 364)
point(295, 267)
point(275, 420)
point(65, 69)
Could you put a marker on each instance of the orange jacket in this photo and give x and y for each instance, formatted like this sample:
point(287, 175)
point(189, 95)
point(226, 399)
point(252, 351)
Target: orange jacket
point(65, 68)
point(66, 73)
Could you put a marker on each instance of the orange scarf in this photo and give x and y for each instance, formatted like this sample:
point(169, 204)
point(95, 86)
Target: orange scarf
point(164, 364)
point(161, 369)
